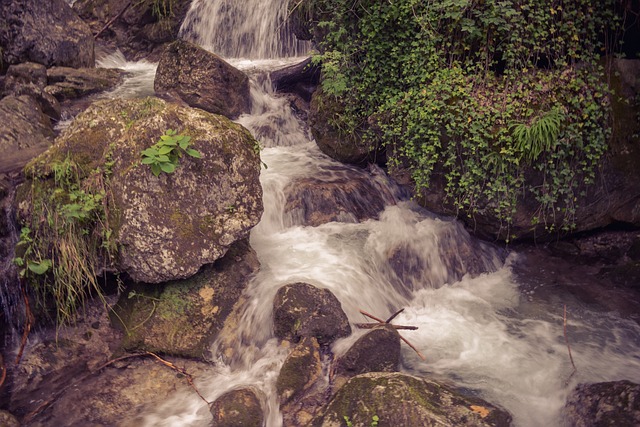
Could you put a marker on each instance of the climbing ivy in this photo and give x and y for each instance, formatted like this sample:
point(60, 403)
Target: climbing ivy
point(500, 100)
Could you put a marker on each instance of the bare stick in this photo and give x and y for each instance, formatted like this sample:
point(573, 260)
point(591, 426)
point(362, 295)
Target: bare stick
point(394, 315)
point(371, 316)
point(566, 340)
point(112, 20)
point(373, 325)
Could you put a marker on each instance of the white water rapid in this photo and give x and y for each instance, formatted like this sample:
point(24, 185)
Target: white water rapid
point(489, 332)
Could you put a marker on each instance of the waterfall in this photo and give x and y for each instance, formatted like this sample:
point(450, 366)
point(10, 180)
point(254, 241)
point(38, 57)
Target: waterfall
point(254, 29)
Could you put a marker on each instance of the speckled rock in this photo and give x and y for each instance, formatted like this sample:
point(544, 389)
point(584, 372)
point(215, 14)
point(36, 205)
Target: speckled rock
point(402, 400)
point(237, 408)
point(302, 310)
point(300, 370)
point(187, 73)
point(164, 227)
point(376, 351)
point(608, 404)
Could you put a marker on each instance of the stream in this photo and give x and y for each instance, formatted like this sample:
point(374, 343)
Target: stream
point(490, 321)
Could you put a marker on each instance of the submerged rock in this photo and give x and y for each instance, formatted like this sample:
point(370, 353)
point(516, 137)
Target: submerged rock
point(49, 33)
point(237, 408)
point(184, 317)
point(302, 310)
point(402, 400)
point(187, 73)
point(614, 403)
point(162, 227)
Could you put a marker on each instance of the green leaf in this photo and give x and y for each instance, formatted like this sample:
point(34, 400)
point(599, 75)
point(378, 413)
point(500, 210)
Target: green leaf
point(165, 150)
point(167, 167)
point(148, 160)
point(193, 153)
point(150, 152)
point(39, 267)
point(155, 169)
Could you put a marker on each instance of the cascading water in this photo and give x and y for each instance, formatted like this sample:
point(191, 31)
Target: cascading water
point(480, 325)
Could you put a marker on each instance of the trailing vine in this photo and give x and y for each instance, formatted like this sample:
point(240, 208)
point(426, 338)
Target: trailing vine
point(501, 100)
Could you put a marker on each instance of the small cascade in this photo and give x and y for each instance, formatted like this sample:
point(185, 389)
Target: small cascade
point(242, 28)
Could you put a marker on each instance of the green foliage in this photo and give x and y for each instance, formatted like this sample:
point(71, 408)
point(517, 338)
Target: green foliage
point(498, 101)
point(164, 155)
point(374, 421)
point(67, 240)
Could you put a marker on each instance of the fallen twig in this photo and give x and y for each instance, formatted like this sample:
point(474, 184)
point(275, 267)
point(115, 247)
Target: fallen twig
point(112, 20)
point(373, 325)
point(401, 337)
point(566, 340)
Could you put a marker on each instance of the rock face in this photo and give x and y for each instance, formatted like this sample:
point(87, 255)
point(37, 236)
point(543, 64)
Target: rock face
point(187, 73)
point(302, 310)
point(604, 404)
point(26, 131)
point(301, 79)
point(183, 317)
point(69, 83)
point(402, 400)
point(165, 227)
point(237, 408)
point(49, 33)
point(30, 79)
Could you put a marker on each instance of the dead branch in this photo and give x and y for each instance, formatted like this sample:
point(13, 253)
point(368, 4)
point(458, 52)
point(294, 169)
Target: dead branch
point(112, 20)
point(566, 340)
point(371, 316)
point(394, 315)
point(374, 325)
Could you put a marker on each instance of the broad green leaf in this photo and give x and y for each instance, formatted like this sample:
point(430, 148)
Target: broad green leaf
point(39, 267)
point(167, 167)
point(165, 150)
point(193, 153)
point(150, 152)
point(155, 168)
point(148, 160)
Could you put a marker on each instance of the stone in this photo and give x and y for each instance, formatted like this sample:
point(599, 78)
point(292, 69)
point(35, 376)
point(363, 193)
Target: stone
point(7, 419)
point(30, 79)
point(191, 75)
point(350, 195)
point(302, 310)
point(68, 83)
point(614, 403)
point(301, 369)
point(237, 408)
point(164, 227)
point(378, 350)
point(27, 131)
point(301, 78)
point(49, 33)
point(403, 400)
point(183, 317)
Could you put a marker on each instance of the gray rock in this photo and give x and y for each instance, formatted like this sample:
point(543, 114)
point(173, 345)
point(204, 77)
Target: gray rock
point(26, 131)
point(300, 370)
point(165, 227)
point(30, 79)
point(49, 33)
point(302, 310)
point(69, 83)
point(7, 419)
point(183, 317)
point(614, 403)
point(402, 400)
point(376, 351)
point(237, 408)
point(301, 79)
point(187, 73)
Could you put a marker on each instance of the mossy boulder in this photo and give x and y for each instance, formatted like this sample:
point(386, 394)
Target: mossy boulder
point(237, 408)
point(614, 403)
point(303, 310)
point(377, 350)
point(187, 73)
point(300, 370)
point(183, 317)
point(403, 400)
point(161, 227)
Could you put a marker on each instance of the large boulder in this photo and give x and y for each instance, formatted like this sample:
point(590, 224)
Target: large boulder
point(27, 131)
point(49, 33)
point(161, 227)
point(187, 73)
point(183, 317)
point(614, 403)
point(301, 78)
point(402, 400)
point(30, 79)
point(302, 310)
point(376, 351)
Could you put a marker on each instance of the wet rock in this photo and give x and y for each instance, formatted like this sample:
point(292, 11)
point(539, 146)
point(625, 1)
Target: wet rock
point(237, 408)
point(345, 149)
point(8, 420)
point(301, 79)
point(68, 83)
point(348, 195)
point(26, 131)
point(30, 79)
point(191, 75)
point(300, 370)
point(376, 351)
point(302, 310)
point(183, 317)
point(164, 227)
point(604, 404)
point(49, 33)
point(402, 400)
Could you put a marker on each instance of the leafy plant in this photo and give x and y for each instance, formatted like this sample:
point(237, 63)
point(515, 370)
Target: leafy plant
point(164, 155)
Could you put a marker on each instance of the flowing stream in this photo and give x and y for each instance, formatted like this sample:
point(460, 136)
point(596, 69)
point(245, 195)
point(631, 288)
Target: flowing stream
point(481, 325)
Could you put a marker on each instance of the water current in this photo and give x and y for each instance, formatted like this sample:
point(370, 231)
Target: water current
point(480, 325)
